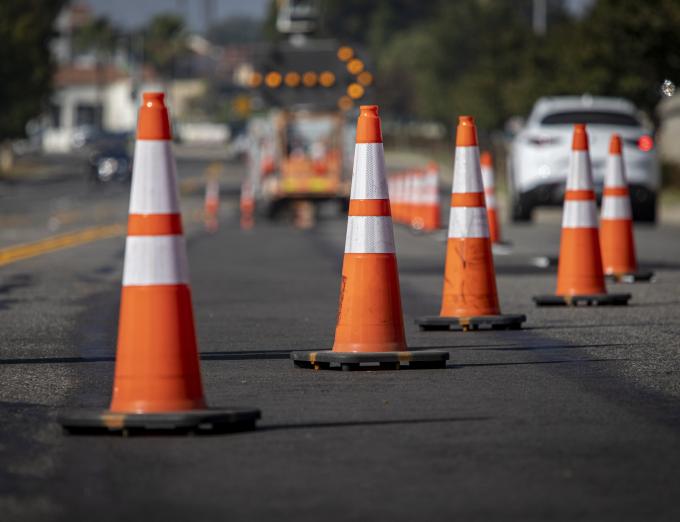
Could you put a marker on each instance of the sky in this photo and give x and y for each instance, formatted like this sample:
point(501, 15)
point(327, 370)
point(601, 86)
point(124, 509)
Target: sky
point(135, 13)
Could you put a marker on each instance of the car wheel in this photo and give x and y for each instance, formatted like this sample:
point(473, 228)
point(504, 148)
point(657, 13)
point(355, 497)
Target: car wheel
point(521, 210)
point(645, 211)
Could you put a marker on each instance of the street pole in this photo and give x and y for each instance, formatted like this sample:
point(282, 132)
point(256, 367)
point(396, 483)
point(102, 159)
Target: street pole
point(540, 17)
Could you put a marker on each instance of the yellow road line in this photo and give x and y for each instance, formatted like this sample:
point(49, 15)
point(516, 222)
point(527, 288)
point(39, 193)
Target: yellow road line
point(51, 244)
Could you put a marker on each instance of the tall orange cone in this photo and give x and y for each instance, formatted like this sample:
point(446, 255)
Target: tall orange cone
point(370, 325)
point(157, 382)
point(490, 196)
point(580, 279)
point(470, 298)
point(616, 223)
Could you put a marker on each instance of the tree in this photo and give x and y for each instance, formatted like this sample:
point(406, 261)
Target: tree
point(26, 28)
point(98, 36)
point(164, 43)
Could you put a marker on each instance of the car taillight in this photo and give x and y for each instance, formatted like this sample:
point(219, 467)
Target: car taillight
point(645, 143)
point(543, 140)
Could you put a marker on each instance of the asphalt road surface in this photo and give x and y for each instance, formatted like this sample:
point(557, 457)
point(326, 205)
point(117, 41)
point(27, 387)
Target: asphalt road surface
point(575, 417)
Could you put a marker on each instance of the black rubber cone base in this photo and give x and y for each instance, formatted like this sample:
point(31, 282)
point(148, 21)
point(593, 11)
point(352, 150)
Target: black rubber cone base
point(631, 277)
point(584, 299)
point(330, 360)
point(174, 423)
point(495, 322)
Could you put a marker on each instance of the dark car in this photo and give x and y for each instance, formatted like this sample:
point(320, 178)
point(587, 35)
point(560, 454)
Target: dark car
point(109, 160)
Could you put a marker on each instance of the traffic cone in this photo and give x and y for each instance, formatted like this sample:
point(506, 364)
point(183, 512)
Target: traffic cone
point(370, 326)
point(580, 279)
point(490, 197)
point(395, 196)
point(616, 224)
point(157, 382)
point(431, 210)
point(469, 297)
point(247, 205)
point(418, 200)
point(211, 204)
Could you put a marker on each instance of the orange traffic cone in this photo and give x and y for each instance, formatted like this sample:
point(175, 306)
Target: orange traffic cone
point(157, 383)
point(490, 197)
point(579, 274)
point(370, 326)
point(211, 205)
point(247, 205)
point(431, 210)
point(418, 200)
point(469, 297)
point(395, 197)
point(616, 223)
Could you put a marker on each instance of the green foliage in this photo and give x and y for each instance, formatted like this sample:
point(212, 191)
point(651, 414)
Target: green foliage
point(164, 42)
point(26, 27)
point(99, 35)
point(440, 58)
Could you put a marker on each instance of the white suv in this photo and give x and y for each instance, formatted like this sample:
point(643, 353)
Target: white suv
point(539, 154)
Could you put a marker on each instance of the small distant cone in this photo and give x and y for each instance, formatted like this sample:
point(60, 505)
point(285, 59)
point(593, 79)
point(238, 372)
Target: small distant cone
point(490, 196)
point(157, 382)
point(395, 197)
point(470, 298)
point(616, 223)
point(580, 278)
point(370, 327)
point(247, 205)
point(409, 197)
point(211, 206)
point(418, 200)
point(431, 210)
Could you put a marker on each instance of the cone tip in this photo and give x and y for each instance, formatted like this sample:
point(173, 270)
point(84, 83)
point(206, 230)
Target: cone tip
point(466, 134)
point(580, 141)
point(154, 123)
point(615, 144)
point(151, 96)
point(368, 125)
point(485, 159)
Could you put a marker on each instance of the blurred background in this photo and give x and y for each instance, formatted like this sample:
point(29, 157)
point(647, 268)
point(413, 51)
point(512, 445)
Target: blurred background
point(276, 86)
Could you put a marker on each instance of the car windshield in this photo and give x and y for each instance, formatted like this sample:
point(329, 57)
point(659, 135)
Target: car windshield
point(591, 118)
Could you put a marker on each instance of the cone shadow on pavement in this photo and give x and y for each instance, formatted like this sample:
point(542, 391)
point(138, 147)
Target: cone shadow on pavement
point(470, 297)
point(157, 382)
point(580, 278)
point(370, 324)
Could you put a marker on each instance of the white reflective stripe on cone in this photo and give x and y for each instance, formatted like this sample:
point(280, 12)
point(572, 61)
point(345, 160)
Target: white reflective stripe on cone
point(369, 180)
point(614, 175)
point(155, 260)
point(467, 176)
point(487, 177)
point(468, 222)
point(580, 176)
point(616, 207)
point(490, 200)
point(419, 194)
point(369, 235)
point(432, 188)
point(154, 179)
point(579, 214)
